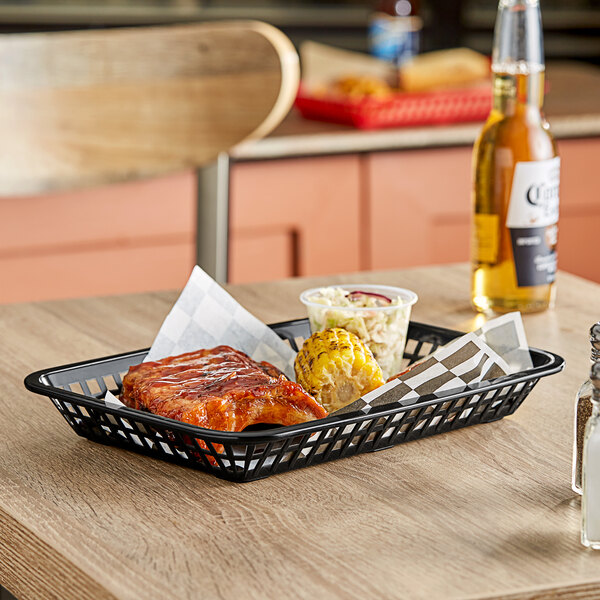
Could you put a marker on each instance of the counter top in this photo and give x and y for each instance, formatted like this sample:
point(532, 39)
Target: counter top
point(482, 512)
point(572, 106)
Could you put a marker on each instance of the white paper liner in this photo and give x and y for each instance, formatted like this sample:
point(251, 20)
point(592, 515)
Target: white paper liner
point(205, 316)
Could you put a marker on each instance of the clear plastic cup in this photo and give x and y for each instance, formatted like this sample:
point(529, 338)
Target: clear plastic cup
point(382, 327)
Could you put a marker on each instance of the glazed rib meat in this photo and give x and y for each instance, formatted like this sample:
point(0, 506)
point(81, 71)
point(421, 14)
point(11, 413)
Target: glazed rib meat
point(220, 388)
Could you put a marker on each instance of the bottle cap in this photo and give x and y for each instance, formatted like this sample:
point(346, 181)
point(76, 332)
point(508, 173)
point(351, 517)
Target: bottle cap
point(595, 341)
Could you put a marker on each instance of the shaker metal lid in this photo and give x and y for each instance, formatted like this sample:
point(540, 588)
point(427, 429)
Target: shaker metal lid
point(595, 376)
point(595, 340)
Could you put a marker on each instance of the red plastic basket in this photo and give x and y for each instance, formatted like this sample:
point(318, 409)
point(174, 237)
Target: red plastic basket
point(400, 110)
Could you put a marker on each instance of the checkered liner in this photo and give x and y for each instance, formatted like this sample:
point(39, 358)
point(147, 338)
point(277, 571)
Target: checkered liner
point(463, 362)
point(77, 391)
point(506, 336)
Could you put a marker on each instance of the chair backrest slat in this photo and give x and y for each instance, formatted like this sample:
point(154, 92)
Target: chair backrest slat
point(93, 107)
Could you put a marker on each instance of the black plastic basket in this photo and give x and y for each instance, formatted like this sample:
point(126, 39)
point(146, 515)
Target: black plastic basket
point(77, 391)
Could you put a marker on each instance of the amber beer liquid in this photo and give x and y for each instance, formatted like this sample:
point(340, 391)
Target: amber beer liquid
point(515, 175)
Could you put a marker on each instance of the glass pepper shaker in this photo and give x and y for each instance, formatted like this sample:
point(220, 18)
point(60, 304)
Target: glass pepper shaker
point(590, 474)
point(583, 411)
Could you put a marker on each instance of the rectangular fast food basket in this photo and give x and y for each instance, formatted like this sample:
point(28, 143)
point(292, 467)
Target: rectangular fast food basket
point(77, 391)
point(399, 110)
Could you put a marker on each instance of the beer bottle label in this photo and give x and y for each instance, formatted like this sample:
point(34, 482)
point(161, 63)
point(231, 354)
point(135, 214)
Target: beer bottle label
point(533, 220)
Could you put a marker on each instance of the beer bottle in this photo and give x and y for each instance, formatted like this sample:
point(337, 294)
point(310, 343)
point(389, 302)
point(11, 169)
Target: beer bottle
point(515, 174)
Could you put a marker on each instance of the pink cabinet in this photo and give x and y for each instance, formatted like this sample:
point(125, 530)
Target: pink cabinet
point(300, 216)
point(385, 210)
point(121, 239)
point(579, 221)
point(297, 216)
point(419, 205)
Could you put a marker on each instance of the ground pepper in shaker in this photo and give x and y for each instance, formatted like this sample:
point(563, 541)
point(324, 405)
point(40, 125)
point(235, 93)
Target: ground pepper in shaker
point(590, 473)
point(583, 411)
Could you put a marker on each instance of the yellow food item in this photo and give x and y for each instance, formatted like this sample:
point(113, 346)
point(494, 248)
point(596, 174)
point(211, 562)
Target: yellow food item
point(361, 86)
point(336, 367)
point(457, 67)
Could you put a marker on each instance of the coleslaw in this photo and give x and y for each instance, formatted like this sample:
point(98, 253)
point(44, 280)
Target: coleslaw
point(378, 315)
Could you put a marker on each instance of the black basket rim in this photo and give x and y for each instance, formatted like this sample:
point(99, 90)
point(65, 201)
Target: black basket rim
point(34, 382)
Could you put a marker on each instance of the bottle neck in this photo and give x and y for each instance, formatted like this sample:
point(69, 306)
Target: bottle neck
point(518, 58)
point(518, 37)
point(519, 94)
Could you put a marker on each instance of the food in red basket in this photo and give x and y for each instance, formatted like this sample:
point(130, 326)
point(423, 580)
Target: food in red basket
point(361, 87)
point(220, 388)
point(443, 69)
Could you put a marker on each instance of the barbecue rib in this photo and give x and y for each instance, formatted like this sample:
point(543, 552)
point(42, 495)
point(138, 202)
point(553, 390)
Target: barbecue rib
point(220, 388)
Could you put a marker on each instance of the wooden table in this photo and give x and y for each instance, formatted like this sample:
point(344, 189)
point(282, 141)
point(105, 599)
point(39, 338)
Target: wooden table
point(483, 512)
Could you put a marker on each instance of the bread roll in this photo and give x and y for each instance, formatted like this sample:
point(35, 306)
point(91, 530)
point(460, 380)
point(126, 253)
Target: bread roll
point(458, 67)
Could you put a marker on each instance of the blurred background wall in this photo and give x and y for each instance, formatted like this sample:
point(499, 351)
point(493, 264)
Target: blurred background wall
point(571, 28)
point(302, 212)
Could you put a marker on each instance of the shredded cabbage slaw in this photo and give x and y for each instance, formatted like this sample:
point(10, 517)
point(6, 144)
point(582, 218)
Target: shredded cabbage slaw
point(378, 315)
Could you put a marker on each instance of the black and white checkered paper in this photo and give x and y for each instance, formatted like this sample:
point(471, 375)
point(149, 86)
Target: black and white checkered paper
point(462, 362)
point(506, 336)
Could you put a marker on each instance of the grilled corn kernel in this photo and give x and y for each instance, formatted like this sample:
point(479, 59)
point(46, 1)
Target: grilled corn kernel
point(336, 367)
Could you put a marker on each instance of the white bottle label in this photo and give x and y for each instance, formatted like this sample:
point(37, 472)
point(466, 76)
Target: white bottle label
point(532, 219)
point(534, 194)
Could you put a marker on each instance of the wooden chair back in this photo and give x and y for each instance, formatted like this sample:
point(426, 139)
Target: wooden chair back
point(87, 108)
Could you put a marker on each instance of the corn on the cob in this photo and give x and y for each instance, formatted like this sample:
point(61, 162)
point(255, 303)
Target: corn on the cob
point(336, 367)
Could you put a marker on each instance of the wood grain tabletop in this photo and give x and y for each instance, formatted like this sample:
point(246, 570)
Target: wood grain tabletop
point(482, 512)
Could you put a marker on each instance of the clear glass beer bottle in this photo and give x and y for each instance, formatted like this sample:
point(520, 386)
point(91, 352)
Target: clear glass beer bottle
point(516, 174)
